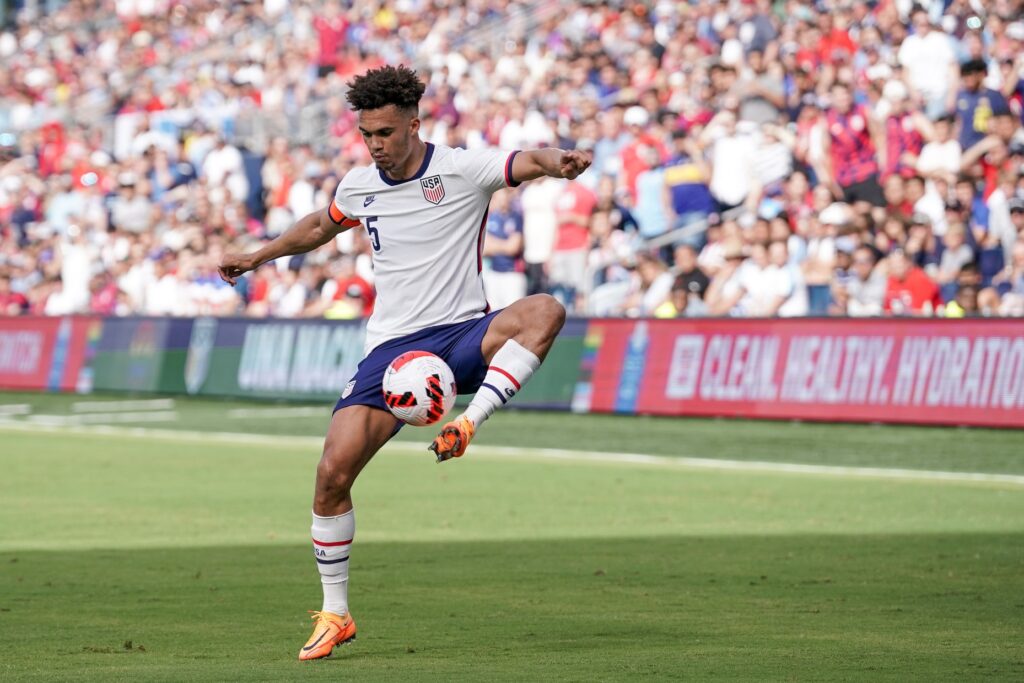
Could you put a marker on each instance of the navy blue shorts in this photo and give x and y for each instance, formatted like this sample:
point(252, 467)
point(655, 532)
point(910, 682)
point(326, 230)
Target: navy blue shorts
point(458, 344)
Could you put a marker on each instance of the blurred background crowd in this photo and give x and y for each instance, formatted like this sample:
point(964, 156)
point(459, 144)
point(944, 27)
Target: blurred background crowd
point(751, 158)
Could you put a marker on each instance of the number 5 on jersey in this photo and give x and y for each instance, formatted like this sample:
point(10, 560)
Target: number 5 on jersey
point(373, 232)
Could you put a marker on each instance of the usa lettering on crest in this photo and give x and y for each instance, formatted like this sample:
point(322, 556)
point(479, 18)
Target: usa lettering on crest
point(433, 190)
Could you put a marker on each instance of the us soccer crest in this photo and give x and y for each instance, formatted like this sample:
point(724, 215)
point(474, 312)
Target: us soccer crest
point(200, 347)
point(433, 190)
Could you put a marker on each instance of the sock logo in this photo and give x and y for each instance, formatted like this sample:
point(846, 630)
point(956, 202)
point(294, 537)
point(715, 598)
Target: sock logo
point(509, 392)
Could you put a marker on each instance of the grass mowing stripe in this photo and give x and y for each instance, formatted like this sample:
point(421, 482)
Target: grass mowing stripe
point(106, 406)
point(919, 448)
point(548, 454)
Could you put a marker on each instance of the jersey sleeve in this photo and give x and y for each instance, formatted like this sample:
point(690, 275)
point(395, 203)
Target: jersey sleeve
point(488, 169)
point(337, 210)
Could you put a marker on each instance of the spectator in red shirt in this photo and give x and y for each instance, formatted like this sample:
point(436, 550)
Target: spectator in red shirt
point(11, 303)
point(351, 291)
point(330, 30)
point(836, 44)
point(568, 263)
point(909, 291)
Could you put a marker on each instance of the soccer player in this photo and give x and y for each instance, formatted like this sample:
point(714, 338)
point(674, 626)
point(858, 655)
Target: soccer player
point(424, 208)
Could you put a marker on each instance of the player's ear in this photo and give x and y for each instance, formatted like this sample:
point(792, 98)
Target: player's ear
point(414, 125)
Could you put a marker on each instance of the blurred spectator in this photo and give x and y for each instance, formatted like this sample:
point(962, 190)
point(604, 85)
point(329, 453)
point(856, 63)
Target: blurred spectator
point(930, 64)
point(504, 279)
point(689, 276)
point(686, 179)
point(976, 104)
point(852, 164)
point(573, 210)
point(136, 147)
point(11, 303)
point(865, 291)
point(956, 254)
point(650, 288)
point(909, 291)
point(540, 230)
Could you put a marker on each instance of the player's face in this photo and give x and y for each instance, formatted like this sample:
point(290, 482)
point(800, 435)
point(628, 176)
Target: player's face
point(389, 133)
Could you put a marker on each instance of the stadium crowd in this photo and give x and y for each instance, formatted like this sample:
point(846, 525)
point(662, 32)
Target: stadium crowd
point(751, 158)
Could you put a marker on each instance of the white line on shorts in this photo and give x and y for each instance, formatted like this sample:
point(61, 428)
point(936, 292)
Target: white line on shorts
point(544, 454)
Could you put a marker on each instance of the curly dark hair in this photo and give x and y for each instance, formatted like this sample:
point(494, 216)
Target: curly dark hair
point(397, 85)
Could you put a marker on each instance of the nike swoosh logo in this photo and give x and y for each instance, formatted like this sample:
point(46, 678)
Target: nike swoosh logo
point(310, 647)
point(369, 200)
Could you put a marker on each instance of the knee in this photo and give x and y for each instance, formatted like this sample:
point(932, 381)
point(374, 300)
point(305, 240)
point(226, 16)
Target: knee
point(333, 479)
point(549, 313)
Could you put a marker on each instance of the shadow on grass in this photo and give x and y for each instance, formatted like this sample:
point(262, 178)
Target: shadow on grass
point(808, 607)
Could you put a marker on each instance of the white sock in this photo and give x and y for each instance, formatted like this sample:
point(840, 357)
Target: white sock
point(512, 366)
point(332, 538)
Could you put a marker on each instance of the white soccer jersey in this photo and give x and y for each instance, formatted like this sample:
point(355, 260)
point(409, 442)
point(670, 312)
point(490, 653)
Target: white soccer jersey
point(427, 235)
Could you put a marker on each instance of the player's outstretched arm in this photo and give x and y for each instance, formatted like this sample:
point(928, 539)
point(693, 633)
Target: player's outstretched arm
point(556, 163)
point(307, 234)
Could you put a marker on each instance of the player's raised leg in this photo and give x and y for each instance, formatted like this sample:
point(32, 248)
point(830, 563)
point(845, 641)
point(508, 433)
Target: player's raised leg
point(516, 343)
point(356, 433)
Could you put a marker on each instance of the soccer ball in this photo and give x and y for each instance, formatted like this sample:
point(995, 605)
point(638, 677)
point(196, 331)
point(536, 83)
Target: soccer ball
point(419, 388)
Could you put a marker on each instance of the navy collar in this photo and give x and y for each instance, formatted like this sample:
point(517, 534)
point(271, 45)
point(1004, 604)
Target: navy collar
point(418, 174)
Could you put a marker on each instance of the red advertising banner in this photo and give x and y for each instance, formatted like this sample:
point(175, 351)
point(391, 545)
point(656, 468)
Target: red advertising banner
point(45, 353)
point(962, 372)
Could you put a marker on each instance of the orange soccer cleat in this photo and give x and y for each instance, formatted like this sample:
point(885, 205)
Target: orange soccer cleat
point(453, 439)
point(328, 631)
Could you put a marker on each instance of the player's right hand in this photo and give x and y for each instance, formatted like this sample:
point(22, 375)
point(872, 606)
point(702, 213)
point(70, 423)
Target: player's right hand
point(574, 162)
point(232, 266)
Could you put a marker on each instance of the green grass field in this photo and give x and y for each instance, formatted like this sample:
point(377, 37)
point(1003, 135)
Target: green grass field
point(169, 551)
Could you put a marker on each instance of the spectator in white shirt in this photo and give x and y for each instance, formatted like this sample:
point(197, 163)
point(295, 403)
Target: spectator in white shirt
point(930, 65)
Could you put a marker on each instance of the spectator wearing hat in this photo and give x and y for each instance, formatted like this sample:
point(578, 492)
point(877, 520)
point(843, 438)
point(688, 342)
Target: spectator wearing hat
point(644, 150)
point(976, 105)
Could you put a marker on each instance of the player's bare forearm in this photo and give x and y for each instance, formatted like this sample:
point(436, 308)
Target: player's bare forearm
point(308, 233)
point(556, 163)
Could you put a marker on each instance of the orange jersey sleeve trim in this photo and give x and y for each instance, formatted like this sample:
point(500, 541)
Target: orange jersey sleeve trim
point(339, 218)
point(335, 213)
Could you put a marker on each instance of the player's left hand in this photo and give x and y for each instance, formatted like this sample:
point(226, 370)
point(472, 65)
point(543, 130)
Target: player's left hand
point(574, 162)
